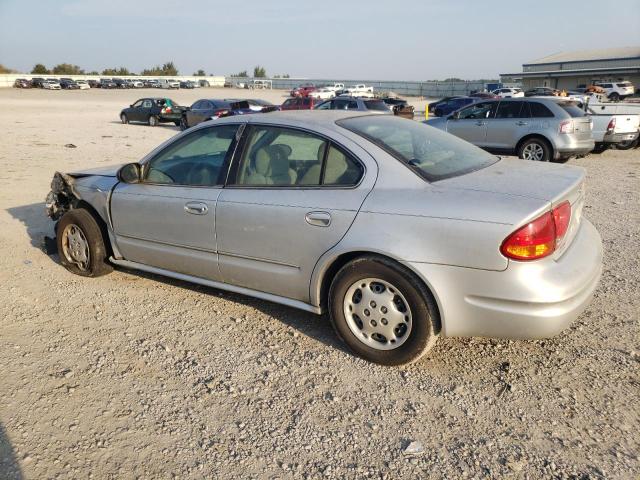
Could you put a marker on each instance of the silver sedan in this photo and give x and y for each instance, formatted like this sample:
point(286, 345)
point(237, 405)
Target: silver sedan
point(401, 232)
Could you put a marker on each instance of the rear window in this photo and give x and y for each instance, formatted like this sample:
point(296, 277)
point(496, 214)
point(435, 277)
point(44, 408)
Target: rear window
point(431, 153)
point(377, 105)
point(624, 84)
point(538, 110)
point(572, 109)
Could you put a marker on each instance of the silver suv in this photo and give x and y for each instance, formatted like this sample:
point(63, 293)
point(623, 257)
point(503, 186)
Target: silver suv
point(543, 129)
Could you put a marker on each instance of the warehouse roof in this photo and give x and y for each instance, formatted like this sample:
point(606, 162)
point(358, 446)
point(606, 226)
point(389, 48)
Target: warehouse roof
point(589, 55)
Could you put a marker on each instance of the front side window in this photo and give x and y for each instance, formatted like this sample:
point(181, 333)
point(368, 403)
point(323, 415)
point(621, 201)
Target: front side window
point(478, 110)
point(196, 159)
point(138, 104)
point(324, 106)
point(509, 110)
point(431, 153)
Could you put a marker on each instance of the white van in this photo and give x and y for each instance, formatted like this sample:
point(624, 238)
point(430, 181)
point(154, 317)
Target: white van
point(164, 83)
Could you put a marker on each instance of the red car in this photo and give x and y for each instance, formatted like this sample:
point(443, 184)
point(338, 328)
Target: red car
point(300, 103)
point(303, 90)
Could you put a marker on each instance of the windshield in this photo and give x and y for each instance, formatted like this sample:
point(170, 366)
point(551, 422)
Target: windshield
point(377, 105)
point(433, 154)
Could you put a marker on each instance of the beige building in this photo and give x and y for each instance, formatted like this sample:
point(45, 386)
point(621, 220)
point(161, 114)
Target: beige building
point(568, 70)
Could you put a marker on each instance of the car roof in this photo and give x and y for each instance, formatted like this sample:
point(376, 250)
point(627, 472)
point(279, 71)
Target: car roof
point(297, 118)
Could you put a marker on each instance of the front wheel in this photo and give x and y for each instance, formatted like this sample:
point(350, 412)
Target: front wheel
point(382, 311)
point(614, 97)
point(535, 149)
point(81, 245)
point(124, 119)
point(153, 121)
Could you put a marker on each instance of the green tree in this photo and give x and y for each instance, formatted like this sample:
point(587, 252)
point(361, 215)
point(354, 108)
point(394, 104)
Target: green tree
point(67, 69)
point(93, 72)
point(4, 69)
point(122, 71)
point(242, 74)
point(200, 73)
point(259, 72)
point(40, 69)
point(168, 69)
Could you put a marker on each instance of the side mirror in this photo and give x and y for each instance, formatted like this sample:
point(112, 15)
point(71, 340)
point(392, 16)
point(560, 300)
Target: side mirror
point(130, 173)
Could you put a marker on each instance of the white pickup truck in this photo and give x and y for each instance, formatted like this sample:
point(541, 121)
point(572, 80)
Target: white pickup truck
point(614, 124)
point(335, 87)
point(360, 90)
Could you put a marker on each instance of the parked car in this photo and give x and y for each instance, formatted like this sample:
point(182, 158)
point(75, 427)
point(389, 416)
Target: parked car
point(541, 129)
point(107, 83)
point(359, 90)
point(187, 84)
point(431, 106)
point(616, 91)
point(22, 83)
point(152, 111)
point(464, 233)
point(137, 83)
point(37, 82)
point(82, 84)
point(150, 83)
point(509, 92)
point(371, 105)
point(334, 87)
point(51, 85)
point(542, 92)
point(256, 104)
point(614, 126)
point(68, 84)
point(93, 83)
point(452, 105)
point(300, 103)
point(212, 109)
point(322, 93)
point(168, 83)
point(483, 95)
point(303, 90)
point(399, 107)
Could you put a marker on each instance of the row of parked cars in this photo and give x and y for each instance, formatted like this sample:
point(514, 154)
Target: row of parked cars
point(106, 83)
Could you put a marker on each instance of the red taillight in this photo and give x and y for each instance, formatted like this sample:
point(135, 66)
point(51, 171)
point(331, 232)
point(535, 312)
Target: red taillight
point(539, 238)
point(566, 126)
point(612, 125)
point(220, 113)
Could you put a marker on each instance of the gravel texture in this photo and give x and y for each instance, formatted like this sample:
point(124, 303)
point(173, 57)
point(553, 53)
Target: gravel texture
point(137, 376)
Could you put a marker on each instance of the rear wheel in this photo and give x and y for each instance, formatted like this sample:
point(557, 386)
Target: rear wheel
point(628, 144)
point(81, 245)
point(183, 123)
point(535, 149)
point(614, 97)
point(124, 119)
point(382, 312)
point(153, 121)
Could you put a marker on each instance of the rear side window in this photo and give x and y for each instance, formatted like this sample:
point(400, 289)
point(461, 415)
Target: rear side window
point(572, 109)
point(509, 110)
point(341, 169)
point(538, 110)
point(377, 105)
point(624, 84)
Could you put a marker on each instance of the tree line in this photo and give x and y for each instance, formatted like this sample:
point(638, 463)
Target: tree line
point(168, 69)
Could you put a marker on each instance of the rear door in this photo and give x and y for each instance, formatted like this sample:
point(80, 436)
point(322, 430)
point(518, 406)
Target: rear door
point(292, 195)
point(510, 123)
point(168, 220)
point(471, 124)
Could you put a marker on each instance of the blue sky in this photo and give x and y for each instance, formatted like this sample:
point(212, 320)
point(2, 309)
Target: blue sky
point(402, 39)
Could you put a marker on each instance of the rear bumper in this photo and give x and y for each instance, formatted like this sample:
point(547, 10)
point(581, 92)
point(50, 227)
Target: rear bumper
point(528, 300)
point(572, 147)
point(620, 137)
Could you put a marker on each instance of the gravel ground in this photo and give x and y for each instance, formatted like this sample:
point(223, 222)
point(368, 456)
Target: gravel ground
point(137, 376)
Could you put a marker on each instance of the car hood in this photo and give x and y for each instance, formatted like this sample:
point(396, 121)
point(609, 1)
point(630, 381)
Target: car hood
point(107, 171)
point(519, 178)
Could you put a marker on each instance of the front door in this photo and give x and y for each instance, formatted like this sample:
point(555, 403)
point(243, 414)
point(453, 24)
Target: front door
point(292, 195)
point(168, 220)
point(471, 122)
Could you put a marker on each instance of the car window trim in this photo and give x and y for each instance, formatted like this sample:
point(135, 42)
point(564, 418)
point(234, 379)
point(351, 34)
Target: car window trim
point(239, 152)
point(225, 165)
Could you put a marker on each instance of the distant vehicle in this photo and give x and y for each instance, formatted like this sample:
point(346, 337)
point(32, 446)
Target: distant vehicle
point(359, 90)
point(323, 93)
point(93, 83)
point(303, 90)
point(37, 82)
point(445, 108)
point(616, 91)
point(256, 104)
point(137, 83)
point(212, 109)
point(153, 111)
point(334, 87)
point(150, 83)
point(542, 92)
point(300, 103)
point(374, 105)
point(22, 83)
point(484, 95)
point(107, 83)
point(542, 129)
point(82, 84)
point(167, 83)
point(188, 84)
point(51, 85)
point(68, 84)
point(399, 107)
point(120, 83)
point(227, 84)
point(509, 92)
point(612, 126)
point(432, 105)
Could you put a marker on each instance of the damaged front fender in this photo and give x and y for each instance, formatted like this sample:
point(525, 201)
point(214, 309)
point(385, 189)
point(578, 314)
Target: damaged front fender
point(62, 196)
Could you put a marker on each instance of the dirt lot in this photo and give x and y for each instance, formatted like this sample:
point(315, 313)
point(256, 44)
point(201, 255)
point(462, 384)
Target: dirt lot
point(136, 376)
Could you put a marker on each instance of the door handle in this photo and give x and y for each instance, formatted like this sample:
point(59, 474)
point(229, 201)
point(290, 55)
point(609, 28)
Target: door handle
point(318, 219)
point(196, 208)
point(521, 123)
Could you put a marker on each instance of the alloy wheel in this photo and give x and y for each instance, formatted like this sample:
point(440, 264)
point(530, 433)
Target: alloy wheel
point(533, 151)
point(75, 247)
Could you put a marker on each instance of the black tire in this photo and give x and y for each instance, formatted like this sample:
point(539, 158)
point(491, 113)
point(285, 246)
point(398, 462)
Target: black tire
point(628, 144)
point(153, 121)
point(421, 306)
point(535, 143)
point(183, 124)
point(97, 263)
point(614, 97)
point(600, 148)
point(124, 119)
point(177, 123)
